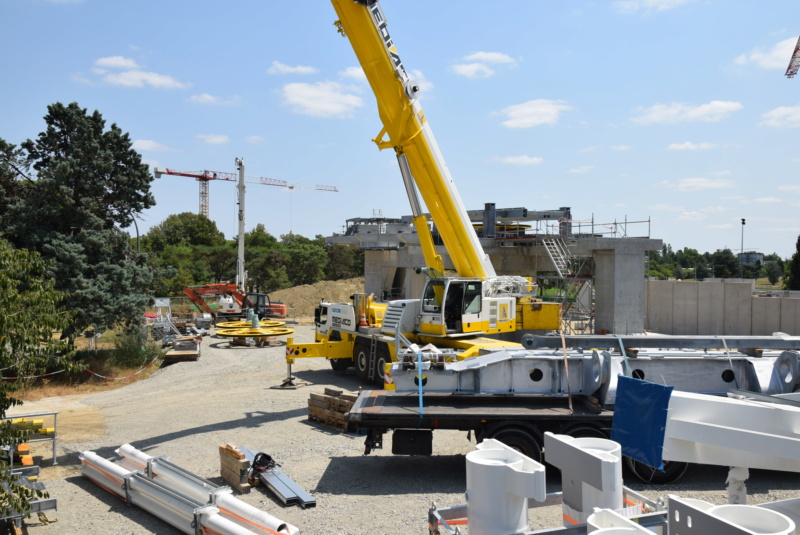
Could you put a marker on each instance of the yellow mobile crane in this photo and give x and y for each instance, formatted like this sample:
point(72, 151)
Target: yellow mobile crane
point(454, 311)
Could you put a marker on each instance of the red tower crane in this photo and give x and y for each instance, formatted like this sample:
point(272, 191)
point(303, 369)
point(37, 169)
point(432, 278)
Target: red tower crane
point(203, 178)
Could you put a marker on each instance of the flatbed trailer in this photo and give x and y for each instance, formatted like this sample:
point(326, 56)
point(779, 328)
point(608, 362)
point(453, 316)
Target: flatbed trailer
point(518, 420)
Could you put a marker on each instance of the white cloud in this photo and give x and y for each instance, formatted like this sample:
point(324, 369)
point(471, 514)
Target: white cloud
point(621, 147)
point(520, 160)
point(281, 68)
point(205, 98)
point(80, 78)
point(678, 112)
point(424, 84)
point(692, 215)
point(665, 208)
point(783, 117)
point(116, 62)
point(357, 73)
point(768, 200)
point(322, 99)
point(688, 145)
point(255, 140)
point(776, 57)
point(582, 169)
point(534, 113)
point(138, 78)
point(491, 57)
point(793, 188)
point(472, 70)
point(477, 65)
point(153, 146)
point(214, 139)
point(633, 6)
point(699, 184)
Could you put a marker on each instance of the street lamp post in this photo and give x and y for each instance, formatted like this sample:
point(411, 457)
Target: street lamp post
point(741, 255)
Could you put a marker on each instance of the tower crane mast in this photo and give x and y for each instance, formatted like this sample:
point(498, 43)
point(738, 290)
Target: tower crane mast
point(794, 63)
point(205, 176)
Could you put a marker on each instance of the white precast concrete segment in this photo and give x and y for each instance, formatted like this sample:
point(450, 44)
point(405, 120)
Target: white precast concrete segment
point(732, 432)
point(591, 474)
point(607, 522)
point(499, 482)
point(238, 511)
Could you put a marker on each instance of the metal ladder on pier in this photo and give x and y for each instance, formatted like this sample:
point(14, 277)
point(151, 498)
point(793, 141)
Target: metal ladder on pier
point(557, 251)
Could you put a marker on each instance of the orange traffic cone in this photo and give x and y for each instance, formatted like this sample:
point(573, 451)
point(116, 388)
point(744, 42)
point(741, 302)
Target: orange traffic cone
point(363, 322)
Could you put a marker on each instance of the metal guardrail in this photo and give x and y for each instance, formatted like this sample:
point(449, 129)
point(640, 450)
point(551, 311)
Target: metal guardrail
point(53, 438)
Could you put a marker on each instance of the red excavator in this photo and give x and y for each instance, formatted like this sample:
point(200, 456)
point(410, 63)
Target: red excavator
point(233, 302)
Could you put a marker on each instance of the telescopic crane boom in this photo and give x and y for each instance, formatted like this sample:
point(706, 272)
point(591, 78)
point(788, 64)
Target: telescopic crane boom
point(406, 130)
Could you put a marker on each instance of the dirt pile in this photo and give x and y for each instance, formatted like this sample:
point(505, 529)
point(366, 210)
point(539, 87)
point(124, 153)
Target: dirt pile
point(303, 299)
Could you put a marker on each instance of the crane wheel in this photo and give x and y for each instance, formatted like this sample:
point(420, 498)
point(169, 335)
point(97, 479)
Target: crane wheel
point(361, 359)
point(340, 365)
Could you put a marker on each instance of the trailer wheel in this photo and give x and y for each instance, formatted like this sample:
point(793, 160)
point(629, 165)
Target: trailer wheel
point(673, 470)
point(340, 365)
point(585, 431)
point(361, 359)
point(521, 440)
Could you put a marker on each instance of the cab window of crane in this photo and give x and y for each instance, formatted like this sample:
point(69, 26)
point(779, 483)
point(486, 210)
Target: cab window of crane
point(321, 315)
point(432, 296)
point(472, 298)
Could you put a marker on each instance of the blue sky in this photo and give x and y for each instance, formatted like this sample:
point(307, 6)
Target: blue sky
point(676, 111)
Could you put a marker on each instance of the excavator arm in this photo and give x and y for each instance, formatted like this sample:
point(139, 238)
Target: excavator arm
point(406, 130)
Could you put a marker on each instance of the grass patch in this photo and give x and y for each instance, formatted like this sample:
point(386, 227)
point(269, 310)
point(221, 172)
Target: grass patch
point(120, 358)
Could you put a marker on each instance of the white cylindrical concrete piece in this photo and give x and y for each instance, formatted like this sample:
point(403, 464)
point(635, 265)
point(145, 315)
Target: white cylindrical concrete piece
point(610, 497)
point(491, 509)
point(755, 519)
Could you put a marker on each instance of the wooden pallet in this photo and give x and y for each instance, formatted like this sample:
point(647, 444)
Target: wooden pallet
point(181, 356)
point(330, 408)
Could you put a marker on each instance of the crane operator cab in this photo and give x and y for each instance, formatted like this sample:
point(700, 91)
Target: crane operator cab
point(453, 306)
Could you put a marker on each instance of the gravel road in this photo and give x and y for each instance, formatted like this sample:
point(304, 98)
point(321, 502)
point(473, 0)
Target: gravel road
point(186, 410)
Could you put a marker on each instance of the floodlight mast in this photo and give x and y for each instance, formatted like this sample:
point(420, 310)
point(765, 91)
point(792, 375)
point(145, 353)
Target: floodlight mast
point(240, 274)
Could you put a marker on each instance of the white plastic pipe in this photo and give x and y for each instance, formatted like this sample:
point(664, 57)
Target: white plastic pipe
point(104, 473)
point(233, 508)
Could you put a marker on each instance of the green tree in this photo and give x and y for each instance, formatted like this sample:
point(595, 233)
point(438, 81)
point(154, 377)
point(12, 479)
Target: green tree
point(259, 238)
point(343, 262)
point(725, 263)
point(89, 183)
point(307, 258)
point(792, 280)
point(773, 272)
point(27, 347)
point(13, 169)
point(185, 228)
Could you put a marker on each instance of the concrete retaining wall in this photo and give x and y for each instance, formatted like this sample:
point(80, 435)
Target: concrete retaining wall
point(719, 307)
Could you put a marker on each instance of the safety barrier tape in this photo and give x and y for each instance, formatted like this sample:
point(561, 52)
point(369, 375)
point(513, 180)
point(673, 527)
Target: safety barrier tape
point(88, 370)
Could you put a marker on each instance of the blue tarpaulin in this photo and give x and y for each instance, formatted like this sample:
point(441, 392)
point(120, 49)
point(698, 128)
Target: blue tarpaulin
point(640, 418)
